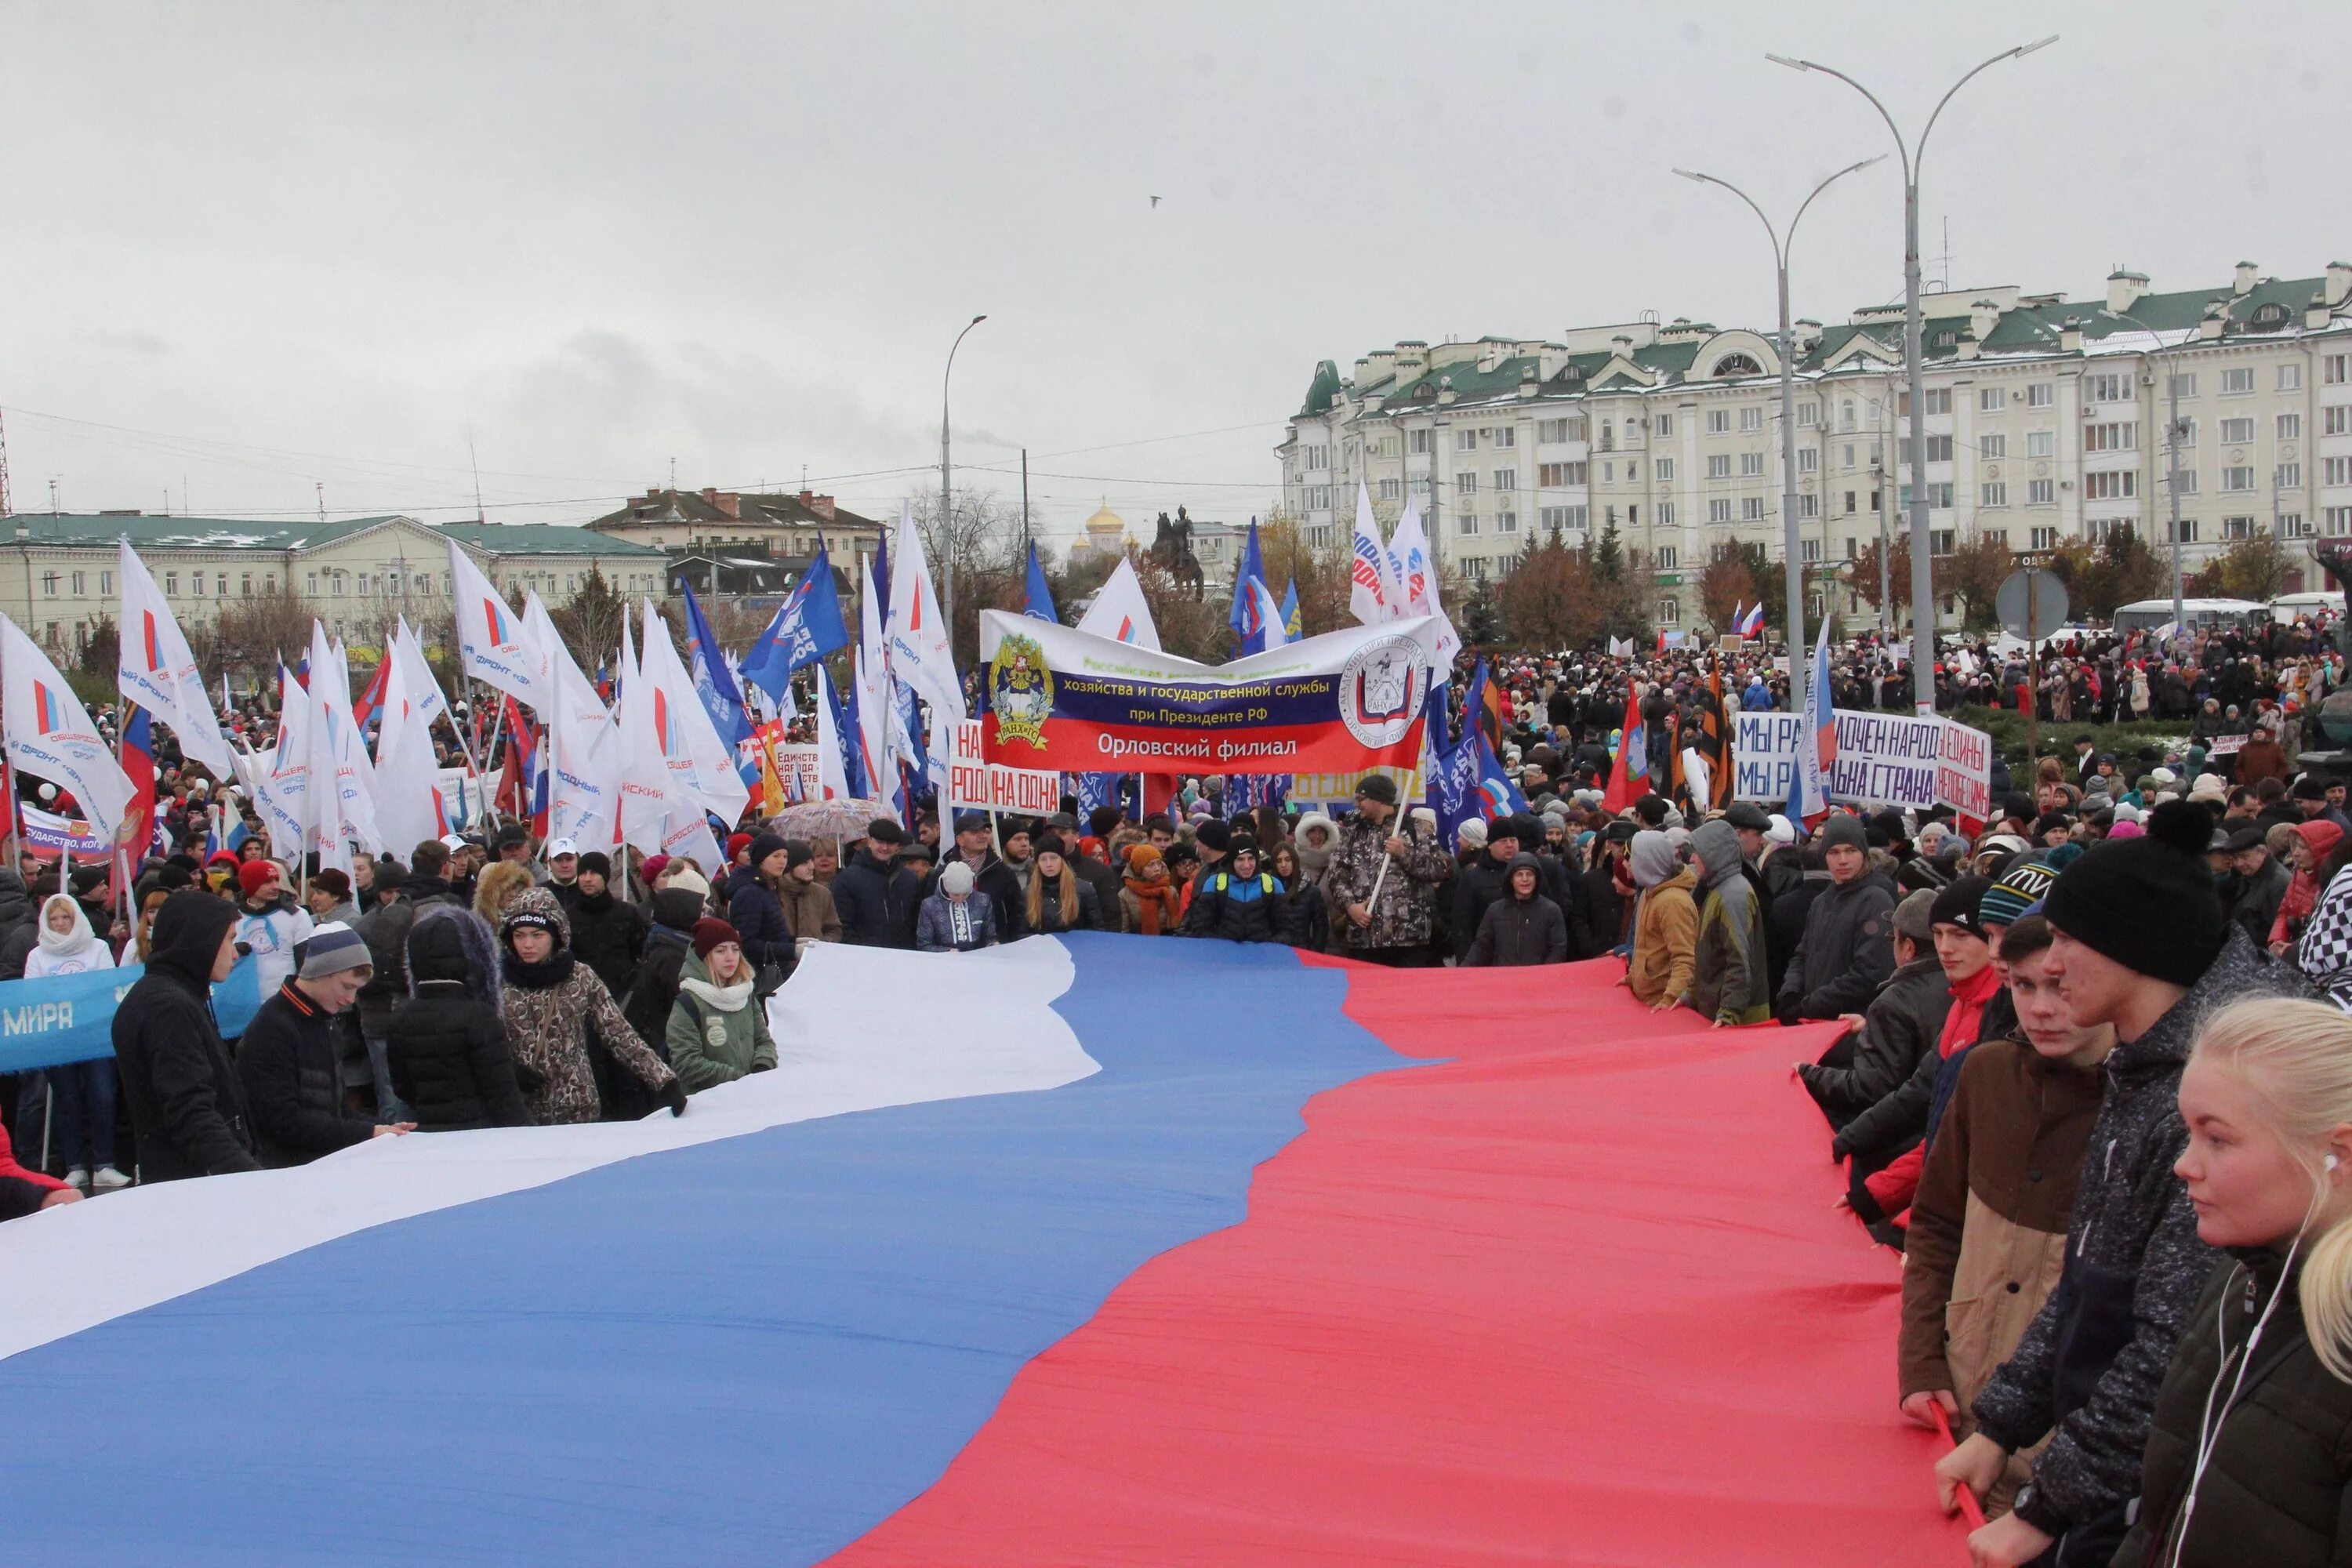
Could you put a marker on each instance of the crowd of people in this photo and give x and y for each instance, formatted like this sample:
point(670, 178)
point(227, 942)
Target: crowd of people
point(2092, 1070)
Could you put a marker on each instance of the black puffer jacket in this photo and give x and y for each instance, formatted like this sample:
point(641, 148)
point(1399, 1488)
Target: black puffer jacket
point(608, 935)
point(1514, 931)
point(2274, 1485)
point(448, 1049)
point(187, 1107)
point(385, 930)
point(650, 996)
point(758, 918)
point(878, 900)
point(1906, 1019)
point(1237, 909)
point(1848, 949)
point(291, 1061)
point(2091, 1363)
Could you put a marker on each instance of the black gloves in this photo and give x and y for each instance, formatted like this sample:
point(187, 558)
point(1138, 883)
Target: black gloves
point(1787, 1012)
point(672, 1094)
point(763, 1066)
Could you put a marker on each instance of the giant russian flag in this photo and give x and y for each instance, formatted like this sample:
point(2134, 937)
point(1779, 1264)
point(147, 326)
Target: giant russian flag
point(1096, 1250)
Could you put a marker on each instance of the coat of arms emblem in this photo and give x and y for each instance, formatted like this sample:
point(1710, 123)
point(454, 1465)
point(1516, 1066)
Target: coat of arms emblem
point(1020, 691)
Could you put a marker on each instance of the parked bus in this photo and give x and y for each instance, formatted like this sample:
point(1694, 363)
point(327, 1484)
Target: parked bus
point(2149, 614)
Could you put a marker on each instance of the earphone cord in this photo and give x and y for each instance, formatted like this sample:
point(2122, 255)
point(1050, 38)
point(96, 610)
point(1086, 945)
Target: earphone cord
point(2209, 1424)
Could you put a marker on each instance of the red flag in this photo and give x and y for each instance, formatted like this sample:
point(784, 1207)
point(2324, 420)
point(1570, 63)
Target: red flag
point(370, 699)
point(1633, 744)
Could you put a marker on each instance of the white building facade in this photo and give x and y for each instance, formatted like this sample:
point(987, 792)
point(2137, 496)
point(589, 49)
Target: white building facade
point(2045, 422)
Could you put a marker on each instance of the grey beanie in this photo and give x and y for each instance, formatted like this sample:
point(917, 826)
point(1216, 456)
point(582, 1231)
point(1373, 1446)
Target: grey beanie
point(1843, 829)
point(330, 950)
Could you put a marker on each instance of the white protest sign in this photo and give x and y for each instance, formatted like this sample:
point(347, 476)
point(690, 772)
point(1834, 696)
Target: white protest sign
point(2225, 745)
point(975, 783)
point(797, 760)
point(1882, 759)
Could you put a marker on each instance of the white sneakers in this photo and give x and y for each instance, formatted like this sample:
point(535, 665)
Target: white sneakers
point(109, 1179)
point(79, 1177)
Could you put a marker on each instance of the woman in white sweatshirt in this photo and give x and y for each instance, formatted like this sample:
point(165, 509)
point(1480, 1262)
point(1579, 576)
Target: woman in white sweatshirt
point(85, 1091)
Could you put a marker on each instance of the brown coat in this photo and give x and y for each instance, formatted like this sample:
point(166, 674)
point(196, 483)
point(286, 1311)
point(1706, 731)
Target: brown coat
point(1988, 1231)
point(2262, 758)
point(808, 909)
point(1665, 939)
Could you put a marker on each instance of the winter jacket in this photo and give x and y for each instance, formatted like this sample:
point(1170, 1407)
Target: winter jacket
point(1152, 909)
point(716, 1034)
point(1481, 881)
point(385, 930)
point(2092, 1362)
point(1513, 931)
point(188, 1105)
point(15, 904)
point(291, 1061)
point(1238, 909)
point(809, 912)
point(1408, 901)
point(1305, 916)
point(1890, 1187)
point(946, 926)
point(876, 901)
point(2256, 906)
point(552, 1010)
point(1665, 939)
point(22, 1189)
point(73, 953)
point(1988, 1227)
point(445, 1046)
point(759, 919)
point(1847, 951)
point(1604, 908)
point(650, 995)
point(1104, 879)
point(1903, 1023)
point(1049, 906)
point(2274, 1491)
point(608, 935)
point(1008, 895)
point(1728, 974)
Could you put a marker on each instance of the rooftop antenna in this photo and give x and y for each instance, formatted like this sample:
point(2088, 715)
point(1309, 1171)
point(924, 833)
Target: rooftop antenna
point(673, 473)
point(53, 495)
point(1945, 260)
point(321, 486)
point(477, 470)
point(6, 506)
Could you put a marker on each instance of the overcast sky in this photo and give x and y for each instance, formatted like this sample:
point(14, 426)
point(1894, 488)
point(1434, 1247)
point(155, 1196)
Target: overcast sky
point(252, 248)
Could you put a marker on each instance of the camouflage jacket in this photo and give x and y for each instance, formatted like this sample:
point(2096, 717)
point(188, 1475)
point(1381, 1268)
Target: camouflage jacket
point(1408, 898)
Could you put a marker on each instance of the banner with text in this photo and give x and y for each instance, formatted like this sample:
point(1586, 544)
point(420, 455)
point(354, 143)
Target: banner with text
point(1063, 699)
point(1882, 759)
point(1330, 791)
point(62, 1018)
point(975, 783)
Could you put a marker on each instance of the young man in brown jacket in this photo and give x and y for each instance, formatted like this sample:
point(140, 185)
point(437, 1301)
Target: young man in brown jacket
point(1987, 1232)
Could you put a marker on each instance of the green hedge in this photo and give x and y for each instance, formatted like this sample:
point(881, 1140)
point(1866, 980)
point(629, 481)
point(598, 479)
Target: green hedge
point(2007, 728)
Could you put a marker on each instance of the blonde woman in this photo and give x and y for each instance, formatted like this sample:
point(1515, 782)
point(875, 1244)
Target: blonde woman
point(496, 888)
point(2247, 1455)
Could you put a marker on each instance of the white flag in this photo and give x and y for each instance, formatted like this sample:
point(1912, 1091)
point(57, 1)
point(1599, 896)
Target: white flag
point(424, 692)
point(1120, 612)
point(495, 646)
point(582, 790)
point(919, 652)
point(342, 803)
point(648, 794)
point(1269, 613)
point(1373, 589)
point(1417, 569)
point(878, 752)
point(49, 735)
point(409, 807)
point(155, 668)
point(832, 780)
point(702, 764)
point(281, 784)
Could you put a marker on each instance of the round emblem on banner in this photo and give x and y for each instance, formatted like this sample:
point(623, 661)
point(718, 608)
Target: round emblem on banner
point(1381, 689)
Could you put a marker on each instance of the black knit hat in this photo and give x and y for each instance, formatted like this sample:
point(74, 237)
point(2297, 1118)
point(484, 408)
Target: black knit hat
point(1214, 834)
point(1959, 904)
point(2149, 902)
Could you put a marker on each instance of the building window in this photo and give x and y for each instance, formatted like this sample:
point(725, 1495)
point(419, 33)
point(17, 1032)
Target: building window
point(314, 584)
point(1939, 448)
point(1318, 457)
point(335, 583)
point(1940, 401)
point(2122, 436)
point(1391, 489)
point(1751, 419)
point(1507, 436)
point(1420, 443)
point(1467, 525)
point(2188, 531)
point(245, 586)
point(1809, 459)
point(1665, 562)
point(49, 587)
point(1664, 425)
point(2237, 528)
point(1718, 421)
point(1467, 482)
point(2120, 484)
point(2236, 431)
point(1719, 509)
point(2291, 526)
point(1995, 494)
point(1555, 517)
point(1845, 415)
point(2042, 493)
point(2041, 443)
point(2287, 476)
point(1665, 514)
point(2336, 369)
point(1941, 541)
point(2181, 384)
point(1419, 486)
point(1670, 612)
point(1506, 479)
point(1719, 466)
point(2290, 377)
point(1807, 415)
point(1318, 497)
point(2336, 471)
point(2338, 520)
point(2111, 386)
point(1849, 503)
point(2237, 381)
point(2290, 428)
point(1551, 430)
point(1666, 470)
point(1465, 440)
point(196, 583)
point(1995, 447)
point(2187, 479)
point(1809, 505)
point(2238, 479)
point(1751, 465)
point(1998, 536)
point(2045, 539)
point(2039, 394)
point(1940, 495)
point(77, 584)
point(2337, 421)
point(1751, 508)
point(1993, 399)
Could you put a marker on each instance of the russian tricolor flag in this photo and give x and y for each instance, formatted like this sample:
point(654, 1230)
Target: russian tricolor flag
point(1304, 1261)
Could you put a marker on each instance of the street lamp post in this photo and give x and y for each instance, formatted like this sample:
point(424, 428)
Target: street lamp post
point(2172, 433)
point(947, 509)
point(1791, 547)
point(1923, 579)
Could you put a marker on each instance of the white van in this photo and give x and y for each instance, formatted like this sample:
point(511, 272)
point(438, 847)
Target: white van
point(2149, 614)
point(2288, 607)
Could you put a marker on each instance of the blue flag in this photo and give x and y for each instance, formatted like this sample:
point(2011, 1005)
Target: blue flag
point(844, 733)
point(714, 683)
point(1294, 625)
point(1247, 618)
point(1039, 605)
point(807, 627)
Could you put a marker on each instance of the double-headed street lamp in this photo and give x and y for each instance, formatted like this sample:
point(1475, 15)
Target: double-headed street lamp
point(947, 507)
point(1923, 580)
point(1791, 550)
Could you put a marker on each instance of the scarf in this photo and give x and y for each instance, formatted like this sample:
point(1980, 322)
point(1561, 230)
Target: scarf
point(1150, 899)
point(545, 975)
point(726, 998)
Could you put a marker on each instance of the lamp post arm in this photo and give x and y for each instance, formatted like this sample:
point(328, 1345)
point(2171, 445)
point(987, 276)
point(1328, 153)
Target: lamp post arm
point(1900, 147)
point(1825, 184)
point(2004, 55)
point(1779, 256)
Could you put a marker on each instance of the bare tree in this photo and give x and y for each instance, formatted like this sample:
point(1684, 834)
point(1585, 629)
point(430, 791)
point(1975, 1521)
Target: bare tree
point(979, 536)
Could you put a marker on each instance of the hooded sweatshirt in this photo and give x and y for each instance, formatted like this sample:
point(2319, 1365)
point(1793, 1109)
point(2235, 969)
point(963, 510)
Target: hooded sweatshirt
point(66, 952)
point(187, 1106)
point(1730, 979)
point(1665, 921)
